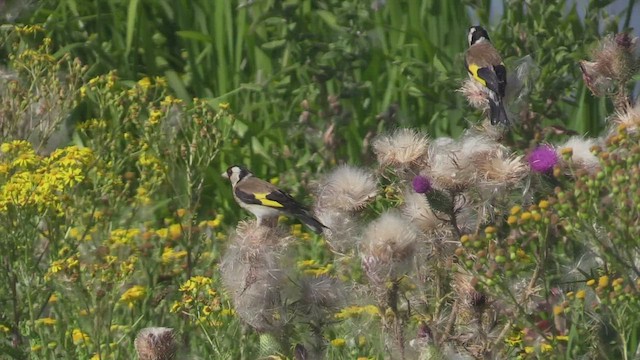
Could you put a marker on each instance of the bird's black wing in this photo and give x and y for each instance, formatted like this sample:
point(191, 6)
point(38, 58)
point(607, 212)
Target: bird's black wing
point(501, 74)
point(288, 203)
point(247, 197)
point(491, 78)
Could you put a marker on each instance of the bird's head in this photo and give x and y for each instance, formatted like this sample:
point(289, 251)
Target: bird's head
point(236, 173)
point(477, 34)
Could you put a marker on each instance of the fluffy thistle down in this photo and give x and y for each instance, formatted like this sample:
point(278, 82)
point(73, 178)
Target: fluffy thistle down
point(342, 229)
point(417, 210)
point(346, 188)
point(387, 248)
point(502, 171)
point(581, 154)
point(615, 61)
point(522, 76)
point(454, 165)
point(614, 58)
point(630, 118)
point(253, 275)
point(476, 94)
point(470, 299)
point(156, 343)
point(405, 148)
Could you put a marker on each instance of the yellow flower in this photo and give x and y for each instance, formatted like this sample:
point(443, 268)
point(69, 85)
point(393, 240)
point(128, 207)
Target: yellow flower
point(558, 309)
point(25, 159)
point(603, 281)
point(170, 100)
point(591, 282)
point(227, 312)
point(5, 147)
point(529, 349)
point(4, 329)
point(306, 263)
point(525, 216)
point(516, 209)
point(144, 83)
point(195, 283)
point(512, 220)
point(339, 342)
point(96, 357)
point(36, 348)
point(562, 338)
point(354, 311)
point(224, 105)
point(175, 231)
point(79, 337)
point(169, 255)
point(580, 294)
point(215, 222)
point(56, 266)
point(175, 307)
point(46, 321)
point(71, 177)
point(181, 212)
point(154, 116)
point(362, 341)
point(546, 348)
point(53, 298)
point(543, 204)
point(162, 232)
point(133, 294)
point(160, 81)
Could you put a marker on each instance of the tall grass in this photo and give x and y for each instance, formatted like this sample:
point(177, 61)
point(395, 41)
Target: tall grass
point(292, 89)
point(383, 63)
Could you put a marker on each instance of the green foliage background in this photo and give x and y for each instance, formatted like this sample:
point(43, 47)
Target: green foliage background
point(312, 82)
point(376, 57)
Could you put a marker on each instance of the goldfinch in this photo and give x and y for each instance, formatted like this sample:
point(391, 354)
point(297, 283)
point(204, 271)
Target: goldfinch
point(266, 201)
point(485, 66)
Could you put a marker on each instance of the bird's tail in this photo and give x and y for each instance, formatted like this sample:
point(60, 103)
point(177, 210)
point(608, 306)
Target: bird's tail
point(497, 112)
point(310, 221)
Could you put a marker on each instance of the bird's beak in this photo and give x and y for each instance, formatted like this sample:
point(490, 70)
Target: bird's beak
point(225, 175)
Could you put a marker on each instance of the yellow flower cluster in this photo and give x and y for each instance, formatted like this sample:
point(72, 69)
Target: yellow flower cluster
point(311, 267)
point(202, 302)
point(133, 295)
point(169, 255)
point(123, 237)
point(40, 182)
point(79, 337)
point(355, 311)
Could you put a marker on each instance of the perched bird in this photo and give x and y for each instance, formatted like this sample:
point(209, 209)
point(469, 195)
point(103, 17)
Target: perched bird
point(485, 66)
point(266, 201)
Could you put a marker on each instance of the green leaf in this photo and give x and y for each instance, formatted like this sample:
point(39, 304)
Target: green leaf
point(194, 35)
point(176, 83)
point(240, 127)
point(329, 18)
point(273, 44)
point(131, 22)
point(258, 149)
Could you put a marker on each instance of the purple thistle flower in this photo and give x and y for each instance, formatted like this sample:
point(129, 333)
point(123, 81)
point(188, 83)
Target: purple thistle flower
point(421, 184)
point(543, 158)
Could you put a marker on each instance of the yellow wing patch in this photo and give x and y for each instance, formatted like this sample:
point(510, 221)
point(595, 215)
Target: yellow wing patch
point(262, 197)
point(473, 69)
